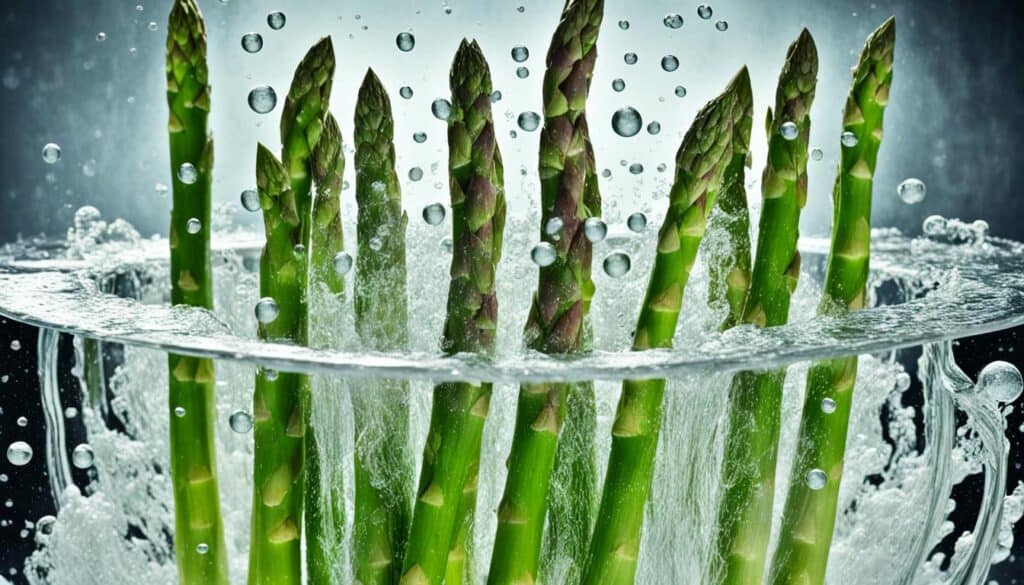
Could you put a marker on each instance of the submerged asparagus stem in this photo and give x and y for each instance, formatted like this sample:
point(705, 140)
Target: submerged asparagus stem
point(700, 165)
point(198, 528)
point(751, 444)
point(383, 465)
point(808, 517)
point(441, 536)
point(279, 400)
point(327, 163)
point(556, 324)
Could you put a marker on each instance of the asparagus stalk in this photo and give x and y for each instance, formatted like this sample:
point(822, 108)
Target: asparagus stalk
point(700, 165)
point(327, 163)
point(198, 528)
point(809, 514)
point(441, 535)
point(274, 556)
point(556, 324)
point(383, 466)
point(751, 444)
point(286, 197)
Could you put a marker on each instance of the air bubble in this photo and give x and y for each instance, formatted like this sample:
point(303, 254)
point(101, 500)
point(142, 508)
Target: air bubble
point(543, 254)
point(262, 99)
point(617, 265)
point(630, 58)
point(193, 225)
point(405, 91)
point(789, 130)
point(405, 41)
point(82, 456)
point(267, 310)
point(240, 422)
point(520, 54)
point(595, 229)
point(912, 191)
point(1001, 380)
point(19, 453)
point(529, 121)
point(276, 20)
point(434, 214)
point(415, 174)
point(252, 42)
point(441, 108)
point(669, 63)
point(342, 263)
point(849, 139)
point(673, 21)
point(250, 200)
point(722, 25)
point(51, 153)
point(627, 122)
point(637, 222)
point(618, 85)
point(816, 479)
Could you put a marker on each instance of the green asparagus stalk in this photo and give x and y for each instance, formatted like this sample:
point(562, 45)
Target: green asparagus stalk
point(198, 528)
point(751, 444)
point(700, 165)
point(383, 465)
point(327, 163)
point(286, 197)
point(556, 324)
point(274, 548)
point(809, 515)
point(441, 535)
point(729, 270)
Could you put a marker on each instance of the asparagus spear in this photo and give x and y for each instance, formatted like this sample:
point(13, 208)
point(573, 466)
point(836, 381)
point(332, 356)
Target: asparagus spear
point(327, 163)
point(440, 541)
point(285, 195)
point(383, 466)
point(700, 164)
point(556, 324)
point(198, 527)
point(748, 476)
point(809, 514)
point(278, 433)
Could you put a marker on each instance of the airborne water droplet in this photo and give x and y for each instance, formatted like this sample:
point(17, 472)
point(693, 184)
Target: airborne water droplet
point(520, 54)
point(543, 254)
point(276, 20)
point(252, 42)
point(405, 41)
point(82, 457)
point(250, 200)
point(19, 453)
point(1000, 380)
point(187, 173)
point(816, 479)
point(627, 122)
point(789, 130)
point(51, 153)
point(267, 310)
point(669, 63)
point(342, 263)
point(637, 222)
point(240, 422)
point(912, 191)
point(595, 229)
point(617, 265)
point(441, 108)
point(434, 214)
point(262, 99)
point(529, 121)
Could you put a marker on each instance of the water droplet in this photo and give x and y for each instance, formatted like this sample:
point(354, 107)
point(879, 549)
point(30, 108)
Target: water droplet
point(934, 226)
point(22, 421)
point(446, 245)
point(419, 137)
point(543, 254)
point(654, 128)
point(595, 229)
point(342, 263)
point(441, 108)
point(522, 72)
point(495, 96)
point(902, 383)
point(262, 99)
point(89, 168)
point(673, 21)
point(252, 42)
point(100, 37)
point(434, 214)
point(529, 121)
point(680, 91)
point(376, 244)
point(405, 41)
point(624, 24)
point(630, 58)
point(912, 191)
point(627, 122)
point(849, 139)
point(51, 153)
point(82, 457)
point(816, 479)
point(202, 548)
point(789, 130)
point(722, 25)
point(1001, 380)
point(637, 222)
point(179, 411)
point(276, 20)
point(704, 11)
point(520, 54)
point(153, 26)
point(828, 406)
point(250, 200)
point(618, 85)
point(15, 345)
point(669, 63)
point(817, 154)
point(617, 264)
point(553, 227)
point(267, 310)
point(405, 91)
point(193, 225)
point(19, 453)
point(636, 169)
point(240, 422)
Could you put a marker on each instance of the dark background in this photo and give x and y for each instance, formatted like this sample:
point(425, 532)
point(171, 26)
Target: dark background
point(956, 123)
